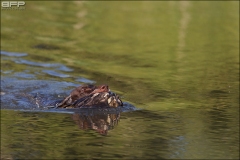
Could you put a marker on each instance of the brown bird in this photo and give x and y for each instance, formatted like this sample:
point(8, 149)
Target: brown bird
point(100, 99)
point(81, 92)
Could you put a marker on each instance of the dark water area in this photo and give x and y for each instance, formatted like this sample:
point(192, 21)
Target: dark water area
point(174, 64)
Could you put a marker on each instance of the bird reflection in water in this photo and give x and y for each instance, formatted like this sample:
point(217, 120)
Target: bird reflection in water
point(99, 122)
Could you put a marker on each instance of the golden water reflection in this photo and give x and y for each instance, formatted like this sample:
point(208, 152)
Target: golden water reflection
point(100, 123)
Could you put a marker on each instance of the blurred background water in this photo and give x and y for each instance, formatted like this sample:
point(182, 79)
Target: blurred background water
point(178, 62)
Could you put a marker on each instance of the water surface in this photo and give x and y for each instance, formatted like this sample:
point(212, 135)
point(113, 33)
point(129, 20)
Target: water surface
point(176, 62)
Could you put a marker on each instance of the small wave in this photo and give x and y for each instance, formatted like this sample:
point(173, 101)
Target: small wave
point(56, 74)
point(39, 64)
point(13, 54)
point(84, 80)
point(24, 75)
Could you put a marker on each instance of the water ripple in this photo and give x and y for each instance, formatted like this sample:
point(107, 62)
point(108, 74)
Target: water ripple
point(24, 75)
point(56, 74)
point(84, 80)
point(13, 54)
point(39, 64)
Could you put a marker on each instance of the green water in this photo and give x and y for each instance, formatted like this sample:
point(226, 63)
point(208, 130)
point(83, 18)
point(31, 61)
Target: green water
point(177, 61)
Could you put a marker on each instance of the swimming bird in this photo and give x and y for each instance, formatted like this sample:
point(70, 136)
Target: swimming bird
point(100, 99)
point(82, 91)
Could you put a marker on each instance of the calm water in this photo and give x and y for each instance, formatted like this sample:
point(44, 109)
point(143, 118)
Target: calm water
point(176, 62)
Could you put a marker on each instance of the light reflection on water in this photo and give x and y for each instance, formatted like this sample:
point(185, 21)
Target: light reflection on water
point(179, 65)
point(181, 133)
point(163, 135)
point(137, 134)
